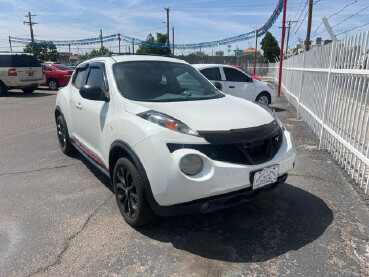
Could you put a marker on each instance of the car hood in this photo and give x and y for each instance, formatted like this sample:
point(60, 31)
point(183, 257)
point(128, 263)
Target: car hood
point(219, 114)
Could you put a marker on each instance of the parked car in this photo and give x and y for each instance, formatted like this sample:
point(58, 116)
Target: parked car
point(248, 72)
point(170, 142)
point(57, 75)
point(236, 82)
point(19, 70)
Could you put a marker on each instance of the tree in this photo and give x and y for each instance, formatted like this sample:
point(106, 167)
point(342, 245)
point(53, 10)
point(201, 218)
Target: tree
point(160, 38)
point(44, 52)
point(270, 47)
point(94, 53)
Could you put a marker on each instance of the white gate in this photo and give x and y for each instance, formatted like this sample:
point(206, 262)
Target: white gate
point(329, 87)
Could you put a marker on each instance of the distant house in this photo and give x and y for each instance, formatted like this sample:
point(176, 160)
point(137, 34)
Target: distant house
point(73, 59)
point(251, 50)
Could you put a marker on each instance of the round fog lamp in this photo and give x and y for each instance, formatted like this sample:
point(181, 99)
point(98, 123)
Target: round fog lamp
point(191, 164)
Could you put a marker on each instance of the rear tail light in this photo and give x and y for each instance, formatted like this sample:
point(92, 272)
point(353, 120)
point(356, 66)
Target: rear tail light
point(12, 72)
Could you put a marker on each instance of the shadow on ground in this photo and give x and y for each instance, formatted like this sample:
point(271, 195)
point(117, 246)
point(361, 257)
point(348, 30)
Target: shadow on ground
point(287, 219)
point(20, 94)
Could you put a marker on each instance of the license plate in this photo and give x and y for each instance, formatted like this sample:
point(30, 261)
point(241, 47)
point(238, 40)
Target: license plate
point(30, 73)
point(265, 177)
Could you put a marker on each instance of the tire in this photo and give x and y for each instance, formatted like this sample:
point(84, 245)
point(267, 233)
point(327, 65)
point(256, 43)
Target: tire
point(264, 98)
point(28, 90)
point(130, 194)
point(63, 136)
point(3, 89)
point(52, 84)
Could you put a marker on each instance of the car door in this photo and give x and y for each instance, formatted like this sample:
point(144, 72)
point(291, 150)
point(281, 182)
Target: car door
point(75, 124)
point(47, 71)
point(239, 84)
point(94, 113)
point(213, 74)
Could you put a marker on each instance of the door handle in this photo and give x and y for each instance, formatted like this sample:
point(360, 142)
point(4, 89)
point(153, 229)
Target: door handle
point(231, 86)
point(79, 106)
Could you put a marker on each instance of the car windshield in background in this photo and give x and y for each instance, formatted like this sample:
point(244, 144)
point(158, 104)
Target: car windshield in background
point(62, 67)
point(157, 81)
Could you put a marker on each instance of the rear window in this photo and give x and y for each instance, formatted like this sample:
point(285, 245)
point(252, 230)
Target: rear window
point(62, 67)
point(18, 61)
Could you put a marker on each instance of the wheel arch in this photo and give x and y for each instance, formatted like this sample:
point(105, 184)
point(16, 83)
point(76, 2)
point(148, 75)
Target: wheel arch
point(119, 149)
point(267, 93)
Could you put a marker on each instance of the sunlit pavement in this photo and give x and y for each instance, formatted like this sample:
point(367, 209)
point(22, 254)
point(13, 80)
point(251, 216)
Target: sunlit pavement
point(58, 216)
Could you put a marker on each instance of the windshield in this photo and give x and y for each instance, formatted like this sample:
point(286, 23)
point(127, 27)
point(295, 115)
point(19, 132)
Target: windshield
point(157, 81)
point(63, 67)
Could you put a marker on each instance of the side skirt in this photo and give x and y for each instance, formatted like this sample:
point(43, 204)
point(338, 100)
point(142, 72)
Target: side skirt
point(90, 157)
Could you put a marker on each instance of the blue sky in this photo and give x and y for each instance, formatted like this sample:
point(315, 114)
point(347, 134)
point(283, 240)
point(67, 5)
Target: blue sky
point(194, 20)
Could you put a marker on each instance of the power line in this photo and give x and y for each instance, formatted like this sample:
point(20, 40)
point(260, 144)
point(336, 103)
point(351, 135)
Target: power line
point(350, 16)
point(333, 14)
point(352, 29)
point(307, 1)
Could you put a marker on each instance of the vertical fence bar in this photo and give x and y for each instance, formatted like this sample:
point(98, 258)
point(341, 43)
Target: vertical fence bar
point(327, 93)
point(301, 85)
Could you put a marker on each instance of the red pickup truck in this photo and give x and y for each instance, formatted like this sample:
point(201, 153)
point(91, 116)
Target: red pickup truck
point(57, 75)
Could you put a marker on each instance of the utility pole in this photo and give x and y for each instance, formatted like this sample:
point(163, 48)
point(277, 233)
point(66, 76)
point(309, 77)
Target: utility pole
point(101, 38)
point(10, 44)
point(173, 39)
point(119, 42)
point(167, 10)
point(288, 33)
point(307, 41)
point(329, 29)
point(282, 44)
point(30, 23)
point(133, 46)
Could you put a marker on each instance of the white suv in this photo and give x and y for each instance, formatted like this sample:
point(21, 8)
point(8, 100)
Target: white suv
point(21, 71)
point(170, 142)
point(237, 82)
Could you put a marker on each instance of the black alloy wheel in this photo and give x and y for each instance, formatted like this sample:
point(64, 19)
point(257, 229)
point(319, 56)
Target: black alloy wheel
point(63, 136)
point(126, 192)
point(130, 194)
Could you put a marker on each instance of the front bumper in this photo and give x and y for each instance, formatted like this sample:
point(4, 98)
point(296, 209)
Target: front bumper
point(170, 186)
point(219, 202)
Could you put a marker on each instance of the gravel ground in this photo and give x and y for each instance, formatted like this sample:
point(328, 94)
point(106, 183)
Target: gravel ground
point(59, 217)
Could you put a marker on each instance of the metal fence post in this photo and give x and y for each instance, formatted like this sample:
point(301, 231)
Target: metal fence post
point(301, 85)
point(327, 93)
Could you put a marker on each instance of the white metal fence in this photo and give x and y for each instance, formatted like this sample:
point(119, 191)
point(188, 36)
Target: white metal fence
point(329, 88)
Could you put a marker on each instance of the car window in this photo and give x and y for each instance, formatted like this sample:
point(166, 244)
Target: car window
point(212, 73)
point(46, 68)
point(63, 67)
point(95, 77)
point(24, 61)
point(5, 61)
point(233, 75)
point(78, 79)
point(158, 81)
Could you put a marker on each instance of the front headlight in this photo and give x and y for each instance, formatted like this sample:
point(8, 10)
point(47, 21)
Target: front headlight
point(167, 121)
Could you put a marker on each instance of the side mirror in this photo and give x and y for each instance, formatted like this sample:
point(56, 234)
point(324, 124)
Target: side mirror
point(93, 92)
point(218, 86)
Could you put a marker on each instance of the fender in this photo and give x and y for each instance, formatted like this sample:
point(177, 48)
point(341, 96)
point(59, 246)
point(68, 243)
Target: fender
point(136, 160)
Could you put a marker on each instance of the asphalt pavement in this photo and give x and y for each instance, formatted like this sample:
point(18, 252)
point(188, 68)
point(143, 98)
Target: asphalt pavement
point(58, 215)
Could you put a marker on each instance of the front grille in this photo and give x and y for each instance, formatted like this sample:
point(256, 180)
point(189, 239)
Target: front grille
point(255, 152)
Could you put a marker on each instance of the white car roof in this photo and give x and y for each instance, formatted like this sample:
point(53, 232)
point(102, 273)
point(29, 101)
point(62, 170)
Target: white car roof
point(127, 58)
point(202, 66)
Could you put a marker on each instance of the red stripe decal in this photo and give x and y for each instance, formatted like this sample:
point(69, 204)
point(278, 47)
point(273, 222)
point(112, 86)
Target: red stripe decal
point(89, 153)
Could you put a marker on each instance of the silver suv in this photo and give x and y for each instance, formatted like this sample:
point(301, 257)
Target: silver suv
point(21, 71)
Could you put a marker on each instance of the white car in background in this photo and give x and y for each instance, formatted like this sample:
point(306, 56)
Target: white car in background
point(236, 82)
